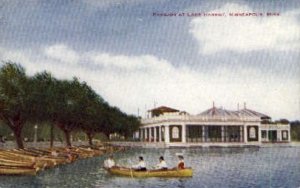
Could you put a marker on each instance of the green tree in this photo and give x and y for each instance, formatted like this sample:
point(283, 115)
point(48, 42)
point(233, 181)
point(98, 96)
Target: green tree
point(44, 87)
point(15, 93)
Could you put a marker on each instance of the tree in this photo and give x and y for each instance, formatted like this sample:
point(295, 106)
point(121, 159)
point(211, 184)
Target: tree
point(295, 130)
point(71, 103)
point(94, 116)
point(122, 123)
point(68, 104)
point(42, 100)
point(15, 93)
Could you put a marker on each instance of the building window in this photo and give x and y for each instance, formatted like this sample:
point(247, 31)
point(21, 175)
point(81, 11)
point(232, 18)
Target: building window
point(194, 133)
point(252, 133)
point(214, 134)
point(232, 134)
point(272, 135)
point(263, 134)
point(175, 132)
point(284, 135)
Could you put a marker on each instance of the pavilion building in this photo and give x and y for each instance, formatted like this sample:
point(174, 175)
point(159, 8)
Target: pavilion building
point(167, 127)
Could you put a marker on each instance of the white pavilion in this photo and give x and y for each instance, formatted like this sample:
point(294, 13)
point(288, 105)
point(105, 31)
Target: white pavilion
point(168, 127)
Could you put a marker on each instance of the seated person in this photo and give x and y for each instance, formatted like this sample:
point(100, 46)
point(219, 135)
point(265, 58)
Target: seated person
point(162, 165)
point(141, 166)
point(180, 164)
point(109, 163)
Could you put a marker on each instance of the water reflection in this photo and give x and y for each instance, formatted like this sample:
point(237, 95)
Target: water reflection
point(213, 167)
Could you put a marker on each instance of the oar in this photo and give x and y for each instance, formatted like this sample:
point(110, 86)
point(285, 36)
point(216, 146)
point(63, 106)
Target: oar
point(131, 173)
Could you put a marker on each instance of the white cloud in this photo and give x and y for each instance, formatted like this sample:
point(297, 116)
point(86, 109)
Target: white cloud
point(131, 82)
point(128, 63)
point(243, 34)
point(62, 53)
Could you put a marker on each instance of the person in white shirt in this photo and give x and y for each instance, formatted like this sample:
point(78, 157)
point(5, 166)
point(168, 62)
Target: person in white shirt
point(141, 166)
point(162, 165)
point(109, 163)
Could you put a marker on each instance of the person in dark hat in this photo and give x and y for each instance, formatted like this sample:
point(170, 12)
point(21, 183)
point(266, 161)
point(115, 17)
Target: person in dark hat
point(141, 166)
point(162, 165)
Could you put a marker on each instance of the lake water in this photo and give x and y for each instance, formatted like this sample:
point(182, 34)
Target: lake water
point(213, 167)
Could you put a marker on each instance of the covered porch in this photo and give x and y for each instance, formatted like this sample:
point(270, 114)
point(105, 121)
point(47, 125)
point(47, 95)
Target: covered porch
point(195, 133)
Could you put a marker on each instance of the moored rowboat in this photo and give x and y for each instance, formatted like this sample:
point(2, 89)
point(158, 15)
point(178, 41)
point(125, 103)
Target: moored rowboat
point(5, 170)
point(187, 172)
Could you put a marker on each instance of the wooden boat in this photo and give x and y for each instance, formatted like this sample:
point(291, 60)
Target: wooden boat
point(42, 162)
point(187, 172)
point(7, 162)
point(5, 170)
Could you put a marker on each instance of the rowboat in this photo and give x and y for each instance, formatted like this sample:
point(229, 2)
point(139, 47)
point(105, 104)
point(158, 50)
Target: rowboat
point(7, 162)
point(187, 172)
point(5, 170)
point(43, 162)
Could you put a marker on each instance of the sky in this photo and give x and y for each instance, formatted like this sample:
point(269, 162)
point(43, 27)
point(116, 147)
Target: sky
point(140, 54)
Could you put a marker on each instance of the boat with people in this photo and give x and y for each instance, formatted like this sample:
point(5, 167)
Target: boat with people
point(124, 171)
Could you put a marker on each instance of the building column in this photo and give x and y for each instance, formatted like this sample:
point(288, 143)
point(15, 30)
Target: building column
point(259, 134)
point(203, 133)
point(155, 134)
point(167, 134)
point(241, 133)
point(267, 135)
point(222, 134)
point(289, 133)
point(279, 135)
point(183, 133)
point(150, 134)
point(140, 134)
point(160, 134)
point(146, 134)
point(245, 134)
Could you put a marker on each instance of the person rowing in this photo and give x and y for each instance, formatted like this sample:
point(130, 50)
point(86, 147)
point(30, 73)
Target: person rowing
point(141, 166)
point(162, 165)
point(109, 163)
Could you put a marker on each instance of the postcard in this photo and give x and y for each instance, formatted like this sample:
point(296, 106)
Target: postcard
point(137, 93)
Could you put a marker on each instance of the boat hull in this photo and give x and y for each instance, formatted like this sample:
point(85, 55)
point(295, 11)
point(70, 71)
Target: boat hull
point(188, 172)
point(17, 171)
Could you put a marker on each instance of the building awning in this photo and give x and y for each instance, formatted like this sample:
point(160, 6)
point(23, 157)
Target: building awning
point(163, 109)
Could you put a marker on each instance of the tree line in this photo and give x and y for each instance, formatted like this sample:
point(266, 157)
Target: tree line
point(70, 105)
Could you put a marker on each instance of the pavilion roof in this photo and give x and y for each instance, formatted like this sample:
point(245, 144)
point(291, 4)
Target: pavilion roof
point(220, 112)
point(252, 113)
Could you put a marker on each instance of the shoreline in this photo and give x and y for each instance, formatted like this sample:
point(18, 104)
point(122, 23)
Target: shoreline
point(206, 145)
point(46, 144)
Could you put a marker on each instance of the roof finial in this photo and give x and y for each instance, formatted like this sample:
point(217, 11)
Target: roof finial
point(213, 104)
point(238, 106)
point(245, 106)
